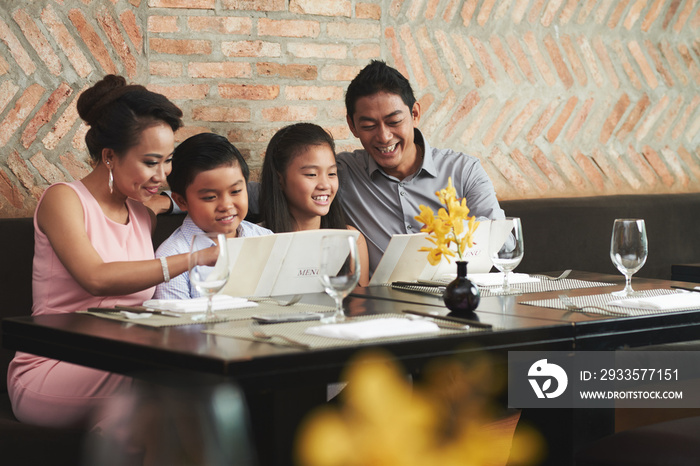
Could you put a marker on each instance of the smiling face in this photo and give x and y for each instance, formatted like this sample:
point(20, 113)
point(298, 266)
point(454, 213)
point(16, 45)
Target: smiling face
point(310, 183)
point(216, 200)
point(142, 170)
point(384, 125)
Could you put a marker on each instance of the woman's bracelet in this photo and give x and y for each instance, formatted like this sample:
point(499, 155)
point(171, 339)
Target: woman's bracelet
point(166, 272)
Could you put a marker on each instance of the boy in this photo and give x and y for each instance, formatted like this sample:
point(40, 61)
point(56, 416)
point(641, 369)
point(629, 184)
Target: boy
point(208, 181)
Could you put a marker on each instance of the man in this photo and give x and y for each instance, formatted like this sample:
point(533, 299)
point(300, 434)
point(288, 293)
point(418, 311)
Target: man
point(383, 184)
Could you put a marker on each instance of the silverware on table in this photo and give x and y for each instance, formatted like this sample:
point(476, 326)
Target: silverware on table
point(684, 288)
point(293, 300)
point(438, 283)
point(548, 278)
point(134, 309)
point(425, 290)
point(258, 332)
point(459, 320)
point(426, 284)
point(571, 306)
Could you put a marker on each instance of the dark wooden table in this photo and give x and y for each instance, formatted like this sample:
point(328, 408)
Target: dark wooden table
point(272, 376)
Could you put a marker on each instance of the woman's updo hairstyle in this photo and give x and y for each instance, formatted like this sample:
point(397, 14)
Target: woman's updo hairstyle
point(118, 113)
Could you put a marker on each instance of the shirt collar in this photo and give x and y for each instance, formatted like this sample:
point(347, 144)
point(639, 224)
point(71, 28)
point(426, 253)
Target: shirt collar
point(428, 164)
point(428, 161)
point(189, 228)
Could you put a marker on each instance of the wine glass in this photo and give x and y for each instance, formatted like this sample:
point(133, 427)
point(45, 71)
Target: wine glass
point(628, 250)
point(339, 270)
point(506, 248)
point(208, 266)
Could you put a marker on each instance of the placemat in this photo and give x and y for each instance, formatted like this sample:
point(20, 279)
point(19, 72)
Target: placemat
point(296, 330)
point(263, 308)
point(602, 300)
point(522, 288)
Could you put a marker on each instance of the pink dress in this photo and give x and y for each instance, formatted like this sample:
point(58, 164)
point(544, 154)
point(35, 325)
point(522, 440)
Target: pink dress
point(48, 392)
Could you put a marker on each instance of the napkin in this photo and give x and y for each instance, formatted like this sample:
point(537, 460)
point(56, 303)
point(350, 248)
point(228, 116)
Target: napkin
point(220, 302)
point(375, 328)
point(491, 279)
point(135, 315)
point(663, 302)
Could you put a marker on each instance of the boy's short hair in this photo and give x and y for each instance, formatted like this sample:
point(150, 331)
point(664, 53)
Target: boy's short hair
point(378, 77)
point(202, 152)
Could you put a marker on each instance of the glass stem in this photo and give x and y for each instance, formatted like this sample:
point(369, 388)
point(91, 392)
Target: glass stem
point(505, 280)
point(628, 283)
point(339, 313)
point(210, 307)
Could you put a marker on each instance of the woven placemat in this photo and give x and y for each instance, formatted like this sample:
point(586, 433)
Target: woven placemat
point(544, 285)
point(518, 289)
point(296, 331)
point(225, 315)
point(601, 301)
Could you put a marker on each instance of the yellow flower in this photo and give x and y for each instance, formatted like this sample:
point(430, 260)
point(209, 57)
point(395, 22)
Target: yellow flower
point(426, 216)
point(448, 193)
point(445, 419)
point(447, 226)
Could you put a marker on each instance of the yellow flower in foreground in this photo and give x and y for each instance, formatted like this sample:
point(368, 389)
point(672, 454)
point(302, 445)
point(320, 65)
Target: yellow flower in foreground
point(445, 420)
point(447, 226)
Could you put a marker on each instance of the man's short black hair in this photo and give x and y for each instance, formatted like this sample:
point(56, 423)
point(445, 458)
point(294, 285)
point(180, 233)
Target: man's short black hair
point(378, 77)
point(199, 153)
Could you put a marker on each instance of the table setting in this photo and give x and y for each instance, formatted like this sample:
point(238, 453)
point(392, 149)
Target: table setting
point(489, 284)
point(177, 312)
point(645, 302)
point(364, 330)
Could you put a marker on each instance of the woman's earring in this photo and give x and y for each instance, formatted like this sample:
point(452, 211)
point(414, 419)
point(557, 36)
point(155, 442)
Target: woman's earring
point(111, 182)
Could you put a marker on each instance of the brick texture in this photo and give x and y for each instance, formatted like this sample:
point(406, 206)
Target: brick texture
point(556, 97)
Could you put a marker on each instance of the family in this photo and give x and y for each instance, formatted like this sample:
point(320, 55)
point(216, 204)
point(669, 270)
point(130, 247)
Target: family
point(93, 236)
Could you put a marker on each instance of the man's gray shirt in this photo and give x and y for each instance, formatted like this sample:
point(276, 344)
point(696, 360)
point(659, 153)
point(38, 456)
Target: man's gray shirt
point(380, 205)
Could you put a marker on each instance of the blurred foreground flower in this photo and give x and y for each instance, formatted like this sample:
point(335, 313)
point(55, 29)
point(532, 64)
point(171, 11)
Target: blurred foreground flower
point(383, 420)
point(447, 226)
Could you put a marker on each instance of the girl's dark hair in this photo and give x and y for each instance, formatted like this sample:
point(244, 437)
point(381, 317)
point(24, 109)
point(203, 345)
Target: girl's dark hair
point(118, 113)
point(378, 77)
point(199, 153)
point(284, 146)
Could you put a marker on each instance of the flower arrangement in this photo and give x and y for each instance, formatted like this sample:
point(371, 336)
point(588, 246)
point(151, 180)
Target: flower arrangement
point(447, 226)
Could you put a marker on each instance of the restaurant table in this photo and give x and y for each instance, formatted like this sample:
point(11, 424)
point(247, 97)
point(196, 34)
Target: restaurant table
point(272, 376)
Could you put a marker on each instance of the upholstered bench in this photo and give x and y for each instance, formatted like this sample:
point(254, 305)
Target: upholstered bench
point(574, 233)
point(686, 272)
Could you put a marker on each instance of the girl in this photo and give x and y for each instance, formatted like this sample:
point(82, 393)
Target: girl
point(299, 186)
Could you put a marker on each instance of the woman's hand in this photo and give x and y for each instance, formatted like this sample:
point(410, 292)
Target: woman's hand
point(208, 256)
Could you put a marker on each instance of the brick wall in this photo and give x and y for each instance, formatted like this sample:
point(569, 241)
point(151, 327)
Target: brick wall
point(557, 97)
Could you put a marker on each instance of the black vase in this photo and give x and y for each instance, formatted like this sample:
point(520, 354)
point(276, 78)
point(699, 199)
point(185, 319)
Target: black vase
point(461, 296)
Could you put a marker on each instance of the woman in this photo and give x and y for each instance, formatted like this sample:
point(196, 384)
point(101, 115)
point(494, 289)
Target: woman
point(299, 186)
point(93, 244)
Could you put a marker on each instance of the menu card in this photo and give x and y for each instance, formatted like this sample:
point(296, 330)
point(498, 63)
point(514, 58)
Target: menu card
point(279, 264)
